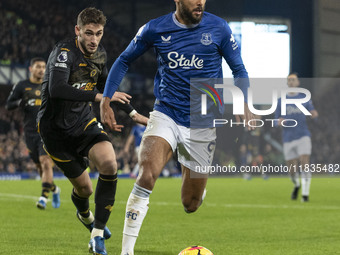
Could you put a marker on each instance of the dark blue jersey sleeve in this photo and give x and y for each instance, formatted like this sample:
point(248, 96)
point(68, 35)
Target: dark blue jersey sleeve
point(137, 47)
point(231, 53)
point(310, 106)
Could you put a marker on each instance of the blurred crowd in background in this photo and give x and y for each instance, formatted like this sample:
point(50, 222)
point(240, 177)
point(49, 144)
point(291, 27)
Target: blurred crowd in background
point(31, 28)
point(251, 148)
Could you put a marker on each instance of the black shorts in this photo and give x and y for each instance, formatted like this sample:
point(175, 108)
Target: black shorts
point(70, 153)
point(34, 145)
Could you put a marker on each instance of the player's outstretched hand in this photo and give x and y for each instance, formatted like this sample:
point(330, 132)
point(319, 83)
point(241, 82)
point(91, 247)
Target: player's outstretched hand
point(248, 115)
point(121, 97)
point(107, 115)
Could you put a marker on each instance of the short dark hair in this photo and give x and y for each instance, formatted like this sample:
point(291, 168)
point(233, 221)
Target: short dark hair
point(37, 59)
point(91, 15)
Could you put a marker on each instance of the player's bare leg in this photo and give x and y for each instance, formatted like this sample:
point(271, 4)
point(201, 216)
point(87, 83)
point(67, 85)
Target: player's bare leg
point(82, 185)
point(155, 153)
point(193, 185)
point(46, 165)
point(306, 177)
point(45, 168)
point(294, 176)
point(82, 190)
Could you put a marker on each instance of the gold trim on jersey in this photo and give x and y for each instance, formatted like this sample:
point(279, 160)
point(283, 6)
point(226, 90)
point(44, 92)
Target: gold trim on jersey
point(55, 158)
point(65, 49)
point(88, 124)
point(28, 88)
point(93, 72)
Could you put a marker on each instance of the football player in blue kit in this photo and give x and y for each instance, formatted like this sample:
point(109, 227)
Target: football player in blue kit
point(297, 145)
point(189, 43)
point(135, 137)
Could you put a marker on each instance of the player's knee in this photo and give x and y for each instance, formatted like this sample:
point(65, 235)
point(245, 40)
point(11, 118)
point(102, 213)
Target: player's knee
point(147, 178)
point(190, 205)
point(107, 166)
point(85, 191)
point(148, 169)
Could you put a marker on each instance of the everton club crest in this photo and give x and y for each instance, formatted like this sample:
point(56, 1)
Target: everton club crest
point(206, 39)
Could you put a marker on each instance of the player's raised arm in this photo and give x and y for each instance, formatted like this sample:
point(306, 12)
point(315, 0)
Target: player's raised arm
point(231, 54)
point(117, 96)
point(137, 47)
point(15, 97)
point(59, 87)
point(140, 44)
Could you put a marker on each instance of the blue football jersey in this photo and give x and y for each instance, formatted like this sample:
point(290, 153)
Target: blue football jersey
point(183, 53)
point(293, 112)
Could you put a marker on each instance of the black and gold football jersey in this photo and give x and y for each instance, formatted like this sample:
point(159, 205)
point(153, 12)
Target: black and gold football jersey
point(69, 87)
point(27, 95)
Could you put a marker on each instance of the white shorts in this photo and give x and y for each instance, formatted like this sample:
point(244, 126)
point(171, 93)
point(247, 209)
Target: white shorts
point(296, 148)
point(195, 146)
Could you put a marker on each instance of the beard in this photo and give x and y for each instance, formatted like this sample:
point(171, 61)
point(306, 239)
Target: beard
point(188, 15)
point(83, 46)
point(39, 76)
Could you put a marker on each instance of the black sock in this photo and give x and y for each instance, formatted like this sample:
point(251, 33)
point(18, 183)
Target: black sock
point(53, 187)
point(46, 188)
point(82, 204)
point(104, 199)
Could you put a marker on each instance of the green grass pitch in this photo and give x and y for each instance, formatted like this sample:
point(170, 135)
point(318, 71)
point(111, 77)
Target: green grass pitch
point(237, 217)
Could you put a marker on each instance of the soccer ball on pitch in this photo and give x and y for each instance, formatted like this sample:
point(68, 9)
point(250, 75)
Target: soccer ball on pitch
point(196, 250)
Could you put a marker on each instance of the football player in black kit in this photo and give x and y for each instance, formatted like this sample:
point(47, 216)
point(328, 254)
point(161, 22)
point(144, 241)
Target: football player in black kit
point(26, 95)
point(75, 70)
